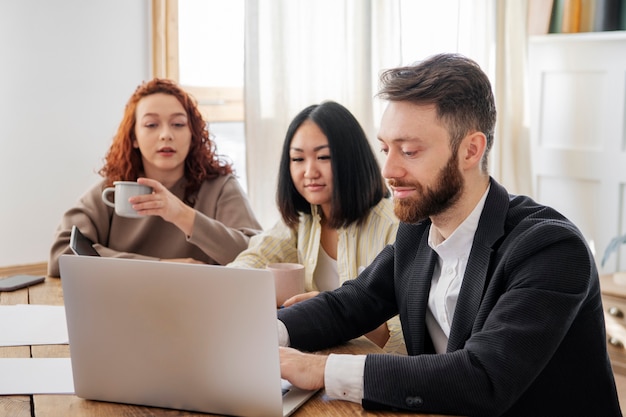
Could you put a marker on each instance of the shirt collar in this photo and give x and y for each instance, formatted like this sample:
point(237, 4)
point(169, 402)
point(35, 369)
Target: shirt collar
point(460, 241)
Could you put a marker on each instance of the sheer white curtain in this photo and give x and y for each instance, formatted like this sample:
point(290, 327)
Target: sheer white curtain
point(510, 159)
point(301, 52)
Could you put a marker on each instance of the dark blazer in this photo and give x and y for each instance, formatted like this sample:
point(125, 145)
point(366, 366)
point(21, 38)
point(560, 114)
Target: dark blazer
point(527, 337)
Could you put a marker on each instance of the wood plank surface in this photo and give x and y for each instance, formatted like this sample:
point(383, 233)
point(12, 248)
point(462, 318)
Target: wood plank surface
point(29, 269)
point(15, 405)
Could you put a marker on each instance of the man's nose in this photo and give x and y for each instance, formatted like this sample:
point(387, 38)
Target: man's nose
point(392, 168)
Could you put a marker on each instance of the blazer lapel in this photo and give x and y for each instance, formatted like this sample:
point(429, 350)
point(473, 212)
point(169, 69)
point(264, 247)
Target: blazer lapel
point(490, 230)
point(420, 276)
point(470, 296)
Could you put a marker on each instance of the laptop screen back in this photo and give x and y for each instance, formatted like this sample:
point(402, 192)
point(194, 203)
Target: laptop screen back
point(183, 336)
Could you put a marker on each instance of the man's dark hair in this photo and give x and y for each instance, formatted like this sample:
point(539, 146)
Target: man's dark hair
point(456, 86)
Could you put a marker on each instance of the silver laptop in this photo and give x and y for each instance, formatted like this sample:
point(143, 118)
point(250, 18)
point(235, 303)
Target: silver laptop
point(174, 335)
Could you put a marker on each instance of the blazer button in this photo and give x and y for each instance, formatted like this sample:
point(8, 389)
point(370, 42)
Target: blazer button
point(414, 401)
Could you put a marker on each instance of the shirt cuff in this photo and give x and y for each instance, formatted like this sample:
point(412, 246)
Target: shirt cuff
point(343, 377)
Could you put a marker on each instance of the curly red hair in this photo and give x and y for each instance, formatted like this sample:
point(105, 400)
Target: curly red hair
point(123, 162)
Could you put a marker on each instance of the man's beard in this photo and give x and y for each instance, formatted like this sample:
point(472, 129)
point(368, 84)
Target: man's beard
point(430, 201)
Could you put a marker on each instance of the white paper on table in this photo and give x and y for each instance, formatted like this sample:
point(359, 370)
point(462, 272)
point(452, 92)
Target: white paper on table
point(31, 324)
point(23, 376)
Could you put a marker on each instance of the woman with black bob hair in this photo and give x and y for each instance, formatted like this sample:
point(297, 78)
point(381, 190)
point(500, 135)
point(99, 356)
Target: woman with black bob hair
point(357, 184)
point(336, 214)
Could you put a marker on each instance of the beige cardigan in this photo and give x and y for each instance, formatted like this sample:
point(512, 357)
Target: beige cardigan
point(223, 226)
point(357, 246)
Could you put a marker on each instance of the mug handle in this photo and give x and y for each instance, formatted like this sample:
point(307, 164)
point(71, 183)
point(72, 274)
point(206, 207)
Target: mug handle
point(105, 194)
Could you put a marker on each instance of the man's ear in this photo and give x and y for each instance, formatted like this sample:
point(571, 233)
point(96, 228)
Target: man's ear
point(472, 149)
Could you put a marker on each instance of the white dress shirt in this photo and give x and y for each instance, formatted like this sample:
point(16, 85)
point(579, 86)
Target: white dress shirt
point(445, 286)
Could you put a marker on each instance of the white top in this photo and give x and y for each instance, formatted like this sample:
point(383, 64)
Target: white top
point(326, 275)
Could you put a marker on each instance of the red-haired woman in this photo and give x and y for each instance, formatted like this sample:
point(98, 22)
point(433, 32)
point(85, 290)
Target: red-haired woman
point(197, 211)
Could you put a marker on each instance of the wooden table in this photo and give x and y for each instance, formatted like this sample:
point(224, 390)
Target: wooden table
point(50, 293)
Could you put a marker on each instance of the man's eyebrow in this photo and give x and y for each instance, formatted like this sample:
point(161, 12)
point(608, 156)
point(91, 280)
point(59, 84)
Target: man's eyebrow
point(399, 139)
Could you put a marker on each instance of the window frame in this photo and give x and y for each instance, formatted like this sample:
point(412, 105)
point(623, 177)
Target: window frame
point(217, 104)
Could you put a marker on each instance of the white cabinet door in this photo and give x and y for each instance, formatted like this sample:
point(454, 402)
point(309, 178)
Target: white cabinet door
point(578, 95)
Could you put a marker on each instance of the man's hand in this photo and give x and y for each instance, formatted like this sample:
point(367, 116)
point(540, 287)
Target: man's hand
point(304, 370)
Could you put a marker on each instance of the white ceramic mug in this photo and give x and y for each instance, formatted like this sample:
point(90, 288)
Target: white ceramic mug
point(289, 280)
point(124, 190)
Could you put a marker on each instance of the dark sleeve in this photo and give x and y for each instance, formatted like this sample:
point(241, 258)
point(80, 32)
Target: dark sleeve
point(539, 315)
point(357, 307)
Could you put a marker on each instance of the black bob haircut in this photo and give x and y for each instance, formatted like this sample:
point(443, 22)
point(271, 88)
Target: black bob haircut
point(357, 181)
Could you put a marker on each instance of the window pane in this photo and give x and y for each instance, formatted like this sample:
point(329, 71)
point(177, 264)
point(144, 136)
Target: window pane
point(210, 59)
point(428, 27)
point(229, 138)
point(210, 37)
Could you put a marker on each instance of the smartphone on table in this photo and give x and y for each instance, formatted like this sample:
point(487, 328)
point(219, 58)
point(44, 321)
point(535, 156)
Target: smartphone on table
point(16, 282)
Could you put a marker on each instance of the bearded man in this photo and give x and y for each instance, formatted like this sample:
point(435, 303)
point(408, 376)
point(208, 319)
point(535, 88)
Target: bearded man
point(498, 295)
